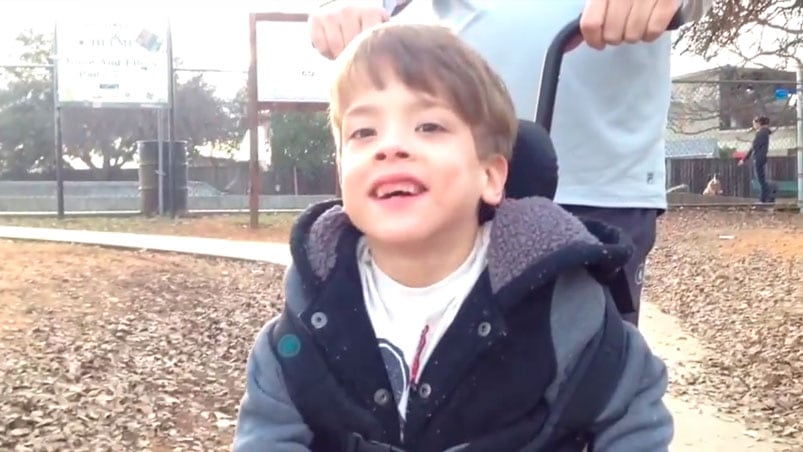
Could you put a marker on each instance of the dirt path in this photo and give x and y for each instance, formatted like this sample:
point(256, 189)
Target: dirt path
point(697, 426)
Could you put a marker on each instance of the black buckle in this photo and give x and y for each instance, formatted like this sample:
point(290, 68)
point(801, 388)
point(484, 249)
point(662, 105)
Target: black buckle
point(356, 443)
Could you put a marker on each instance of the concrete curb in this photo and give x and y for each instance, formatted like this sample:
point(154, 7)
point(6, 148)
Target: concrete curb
point(274, 253)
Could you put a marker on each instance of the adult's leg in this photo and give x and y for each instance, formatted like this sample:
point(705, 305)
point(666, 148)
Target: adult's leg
point(761, 175)
point(640, 226)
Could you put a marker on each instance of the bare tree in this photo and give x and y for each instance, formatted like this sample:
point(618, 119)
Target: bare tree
point(728, 98)
point(695, 109)
point(775, 28)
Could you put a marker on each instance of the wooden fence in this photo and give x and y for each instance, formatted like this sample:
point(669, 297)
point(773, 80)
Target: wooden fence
point(735, 179)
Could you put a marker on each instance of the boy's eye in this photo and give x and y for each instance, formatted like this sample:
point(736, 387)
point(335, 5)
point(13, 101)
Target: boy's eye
point(362, 133)
point(429, 127)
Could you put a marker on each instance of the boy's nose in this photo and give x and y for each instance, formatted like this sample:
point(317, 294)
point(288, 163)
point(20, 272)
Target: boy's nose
point(391, 153)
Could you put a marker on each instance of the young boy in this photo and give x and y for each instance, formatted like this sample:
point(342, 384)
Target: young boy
point(426, 312)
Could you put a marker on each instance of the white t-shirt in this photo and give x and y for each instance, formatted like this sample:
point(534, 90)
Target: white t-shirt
point(409, 322)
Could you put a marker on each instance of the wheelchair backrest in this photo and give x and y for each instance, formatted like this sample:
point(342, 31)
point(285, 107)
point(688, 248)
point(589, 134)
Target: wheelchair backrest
point(533, 169)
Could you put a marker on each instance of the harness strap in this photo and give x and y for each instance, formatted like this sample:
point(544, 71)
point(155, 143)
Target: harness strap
point(308, 380)
point(287, 343)
point(593, 384)
point(356, 443)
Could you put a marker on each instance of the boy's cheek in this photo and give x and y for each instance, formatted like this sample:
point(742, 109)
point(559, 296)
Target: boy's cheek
point(353, 164)
point(351, 178)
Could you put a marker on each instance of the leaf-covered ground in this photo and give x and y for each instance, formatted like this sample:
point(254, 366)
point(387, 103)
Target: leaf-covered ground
point(109, 350)
point(734, 280)
point(120, 350)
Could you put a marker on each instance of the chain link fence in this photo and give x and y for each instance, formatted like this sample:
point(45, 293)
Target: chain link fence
point(101, 164)
point(710, 129)
point(712, 112)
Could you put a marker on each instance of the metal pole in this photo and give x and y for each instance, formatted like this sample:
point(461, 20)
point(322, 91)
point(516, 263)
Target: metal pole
point(253, 126)
point(799, 104)
point(59, 145)
point(171, 121)
point(160, 137)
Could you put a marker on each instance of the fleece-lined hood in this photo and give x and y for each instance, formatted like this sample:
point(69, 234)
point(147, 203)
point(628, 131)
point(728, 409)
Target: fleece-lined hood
point(530, 237)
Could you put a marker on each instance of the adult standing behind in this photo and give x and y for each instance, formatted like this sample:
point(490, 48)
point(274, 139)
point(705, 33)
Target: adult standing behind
point(612, 101)
point(759, 151)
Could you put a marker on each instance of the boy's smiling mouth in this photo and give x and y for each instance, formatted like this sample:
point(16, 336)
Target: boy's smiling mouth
point(397, 186)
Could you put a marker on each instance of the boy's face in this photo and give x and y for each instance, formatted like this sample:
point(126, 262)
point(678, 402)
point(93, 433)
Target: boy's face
point(409, 167)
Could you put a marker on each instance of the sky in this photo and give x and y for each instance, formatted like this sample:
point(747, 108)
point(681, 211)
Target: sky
point(213, 37)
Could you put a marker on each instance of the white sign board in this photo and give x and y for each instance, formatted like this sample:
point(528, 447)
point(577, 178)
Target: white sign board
point(289, 69)
point(118, 60)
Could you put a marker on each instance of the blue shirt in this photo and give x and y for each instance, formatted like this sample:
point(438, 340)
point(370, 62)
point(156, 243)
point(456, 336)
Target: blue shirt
point(611, 106)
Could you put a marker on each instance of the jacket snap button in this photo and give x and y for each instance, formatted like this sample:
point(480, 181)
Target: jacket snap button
point(484, 329)
point(382, 397)
point(319, 320)
point(425, 390)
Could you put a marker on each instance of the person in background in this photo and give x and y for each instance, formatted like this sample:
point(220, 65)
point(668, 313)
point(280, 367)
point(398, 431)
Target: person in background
point(612, 101)
point(759, 151)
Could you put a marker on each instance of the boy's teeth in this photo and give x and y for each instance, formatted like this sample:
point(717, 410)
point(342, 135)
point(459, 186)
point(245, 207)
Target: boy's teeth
point(407, 188)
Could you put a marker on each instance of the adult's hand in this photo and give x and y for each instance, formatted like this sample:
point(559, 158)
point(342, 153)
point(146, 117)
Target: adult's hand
point(613, 22)
point(335, 24)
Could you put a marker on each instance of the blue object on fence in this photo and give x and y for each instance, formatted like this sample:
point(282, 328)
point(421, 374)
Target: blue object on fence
point(782, 94)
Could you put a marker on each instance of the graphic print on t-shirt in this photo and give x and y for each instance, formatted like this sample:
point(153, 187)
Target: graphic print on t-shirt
point(396, 366)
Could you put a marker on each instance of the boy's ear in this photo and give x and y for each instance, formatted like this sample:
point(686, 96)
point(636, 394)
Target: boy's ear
point(496, 169)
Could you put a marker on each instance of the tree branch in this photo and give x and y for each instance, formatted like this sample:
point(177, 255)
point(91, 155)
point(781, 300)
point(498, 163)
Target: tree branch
point(728, 21)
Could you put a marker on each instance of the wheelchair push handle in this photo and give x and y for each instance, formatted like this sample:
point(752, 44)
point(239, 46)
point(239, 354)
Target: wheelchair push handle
point(550, 73)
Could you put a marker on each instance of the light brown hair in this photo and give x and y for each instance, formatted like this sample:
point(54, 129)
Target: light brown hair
point(433, 60)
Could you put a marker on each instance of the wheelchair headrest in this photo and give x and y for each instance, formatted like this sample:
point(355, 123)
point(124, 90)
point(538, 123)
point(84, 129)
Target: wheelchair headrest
point(533, 168)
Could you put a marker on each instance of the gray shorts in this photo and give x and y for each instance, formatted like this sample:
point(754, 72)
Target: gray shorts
point(640, 225)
